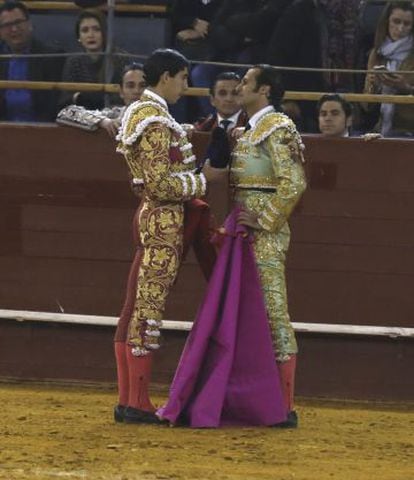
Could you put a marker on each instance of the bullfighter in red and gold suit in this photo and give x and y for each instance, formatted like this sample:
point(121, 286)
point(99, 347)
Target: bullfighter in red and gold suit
point(160, 158)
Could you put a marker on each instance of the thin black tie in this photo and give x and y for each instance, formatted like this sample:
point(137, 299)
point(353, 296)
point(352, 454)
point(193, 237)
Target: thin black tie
point(225, 124)
point(248, 127)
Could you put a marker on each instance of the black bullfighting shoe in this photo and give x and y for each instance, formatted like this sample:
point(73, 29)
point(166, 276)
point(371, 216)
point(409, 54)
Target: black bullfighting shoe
point(134, 415)
point(119, 412)
point(291, 421)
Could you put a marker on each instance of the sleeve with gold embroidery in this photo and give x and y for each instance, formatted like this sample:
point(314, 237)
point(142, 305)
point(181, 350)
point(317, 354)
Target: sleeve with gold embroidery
point(160, 181)
point(286, 156)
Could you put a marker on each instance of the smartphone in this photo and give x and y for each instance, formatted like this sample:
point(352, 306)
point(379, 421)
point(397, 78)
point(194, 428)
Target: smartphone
point(384, 69)
point(380, 67)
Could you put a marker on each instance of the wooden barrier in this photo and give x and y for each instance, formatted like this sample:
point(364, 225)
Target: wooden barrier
point(65, 219)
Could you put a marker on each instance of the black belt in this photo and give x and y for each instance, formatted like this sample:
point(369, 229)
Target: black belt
point(256, 189)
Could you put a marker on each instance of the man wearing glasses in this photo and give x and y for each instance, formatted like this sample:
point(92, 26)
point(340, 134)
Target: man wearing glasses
point(16, 33)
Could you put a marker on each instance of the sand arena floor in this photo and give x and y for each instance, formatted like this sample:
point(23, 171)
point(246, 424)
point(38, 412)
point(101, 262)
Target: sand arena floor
point(49, 432)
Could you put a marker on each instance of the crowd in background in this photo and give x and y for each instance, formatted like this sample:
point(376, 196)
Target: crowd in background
point(315, 34)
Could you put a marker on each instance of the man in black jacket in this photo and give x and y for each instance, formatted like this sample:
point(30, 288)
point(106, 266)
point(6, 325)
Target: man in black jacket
point(16, 33)
point(190, 21)
point(242, 28)
point(224, 98)
point(300, 39)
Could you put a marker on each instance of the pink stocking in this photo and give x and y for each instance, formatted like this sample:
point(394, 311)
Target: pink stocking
point(287, 380)
point(122, 371)
point(139, 369)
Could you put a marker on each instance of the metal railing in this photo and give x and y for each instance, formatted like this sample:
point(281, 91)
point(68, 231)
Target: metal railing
point(192, 91)
point(33, 5)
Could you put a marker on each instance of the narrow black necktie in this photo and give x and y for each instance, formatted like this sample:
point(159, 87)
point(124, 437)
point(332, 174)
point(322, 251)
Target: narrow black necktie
point(225, 124)
point(247, 127)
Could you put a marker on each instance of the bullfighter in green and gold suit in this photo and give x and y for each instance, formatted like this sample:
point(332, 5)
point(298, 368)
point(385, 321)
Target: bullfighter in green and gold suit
point(268, 179)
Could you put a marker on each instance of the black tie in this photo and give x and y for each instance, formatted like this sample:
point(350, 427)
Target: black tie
point(225, 124)
point(247, 127)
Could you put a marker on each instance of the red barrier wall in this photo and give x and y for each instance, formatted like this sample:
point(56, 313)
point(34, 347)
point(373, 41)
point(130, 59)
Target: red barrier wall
point(65, 245)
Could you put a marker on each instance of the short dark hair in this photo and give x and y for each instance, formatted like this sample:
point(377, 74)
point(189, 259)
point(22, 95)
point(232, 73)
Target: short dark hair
point(335, 97)
point(268, 75)
point(163, 60)
point(223, 76)
point(97, 15)
point(129, 67)
point(9, 6)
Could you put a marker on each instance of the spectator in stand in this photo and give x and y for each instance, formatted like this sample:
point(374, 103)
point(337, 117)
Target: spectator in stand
point(91, 33)
point(224, 98)
point(131, 88)
point(227, 115)
point(342, 22)
point(191, 25)
point(393, 51)
point(334, 115)
point(300, 39)
point(238, 33)
point(242, 28)
point(21, 105)
point(335, 118)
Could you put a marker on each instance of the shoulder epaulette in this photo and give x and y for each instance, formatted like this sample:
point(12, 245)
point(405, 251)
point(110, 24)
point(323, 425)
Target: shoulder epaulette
point(138, 116)
point(268, 124)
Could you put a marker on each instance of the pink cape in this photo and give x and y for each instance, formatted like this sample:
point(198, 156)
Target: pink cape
point(227, 374)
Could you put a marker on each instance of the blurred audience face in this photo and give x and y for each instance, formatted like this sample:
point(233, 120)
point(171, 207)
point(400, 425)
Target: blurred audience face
point(15, 29)
point(225, 98)
point(400, 23)
point(90, 35)
point(333, 121)
point(132, 87)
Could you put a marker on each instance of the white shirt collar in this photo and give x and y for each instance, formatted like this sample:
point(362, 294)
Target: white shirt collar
point(156, 97)
point(258, 115)
point(233, 119)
